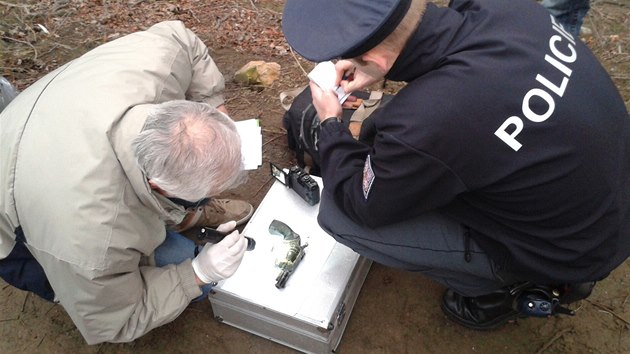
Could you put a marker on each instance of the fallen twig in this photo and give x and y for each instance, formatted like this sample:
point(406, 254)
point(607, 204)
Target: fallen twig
point(237, 98)
point(193, 15)
point(24, 6)
point(274, 131)
point(272, 139)
point(23, 42)
point(552, 340)
point(608, 310)
point(614, 3)
point(220, 20)
point(24, 302)
point(41, 340)
point(297, 61)
point(51, 307)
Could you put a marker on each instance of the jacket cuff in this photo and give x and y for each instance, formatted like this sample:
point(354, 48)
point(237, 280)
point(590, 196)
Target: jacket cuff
point(327, 121)
point(187, 275)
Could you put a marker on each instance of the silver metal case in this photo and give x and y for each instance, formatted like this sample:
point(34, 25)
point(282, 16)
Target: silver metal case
point(310, 314)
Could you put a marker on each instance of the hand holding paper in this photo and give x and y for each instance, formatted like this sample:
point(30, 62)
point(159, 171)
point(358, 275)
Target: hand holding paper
point(325, 75)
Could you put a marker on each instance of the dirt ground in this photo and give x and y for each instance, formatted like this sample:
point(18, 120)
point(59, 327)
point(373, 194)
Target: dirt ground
point(396, 312)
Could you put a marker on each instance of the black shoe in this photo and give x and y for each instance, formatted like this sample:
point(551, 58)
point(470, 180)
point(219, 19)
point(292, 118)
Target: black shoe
point(484, 312)
point(571, 293)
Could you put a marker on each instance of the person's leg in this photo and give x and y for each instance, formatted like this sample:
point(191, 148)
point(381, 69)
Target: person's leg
point(570, 13)
point(7, 93)
point(21, 270)
point(439, 247)
point(432, 244)
point(175, 249)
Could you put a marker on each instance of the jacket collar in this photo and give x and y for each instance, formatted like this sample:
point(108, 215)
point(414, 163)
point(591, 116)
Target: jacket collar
point(429, 46)
point(123, 133)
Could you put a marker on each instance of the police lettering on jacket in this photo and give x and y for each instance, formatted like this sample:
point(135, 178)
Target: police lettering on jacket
point(558, 59)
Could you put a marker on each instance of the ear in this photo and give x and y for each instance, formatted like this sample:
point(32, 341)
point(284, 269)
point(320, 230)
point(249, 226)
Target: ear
point(156, 188)
point(153, 185)
point(379, 58)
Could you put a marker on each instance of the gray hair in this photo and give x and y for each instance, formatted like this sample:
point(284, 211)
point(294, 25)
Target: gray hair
point(190, 150)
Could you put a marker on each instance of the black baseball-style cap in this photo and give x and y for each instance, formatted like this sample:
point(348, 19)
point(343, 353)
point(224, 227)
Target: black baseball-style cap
point(321, 30)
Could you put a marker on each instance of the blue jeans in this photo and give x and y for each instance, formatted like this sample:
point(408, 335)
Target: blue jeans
point(175, 249)
point(22, 270)
point(570, 13)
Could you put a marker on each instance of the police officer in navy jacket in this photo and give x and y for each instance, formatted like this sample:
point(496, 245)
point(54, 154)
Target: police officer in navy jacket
point(502, 168)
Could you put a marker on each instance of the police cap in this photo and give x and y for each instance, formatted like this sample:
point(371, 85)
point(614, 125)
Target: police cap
point(321, 30)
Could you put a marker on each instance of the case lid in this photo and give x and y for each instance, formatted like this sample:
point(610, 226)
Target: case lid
point(315, 288)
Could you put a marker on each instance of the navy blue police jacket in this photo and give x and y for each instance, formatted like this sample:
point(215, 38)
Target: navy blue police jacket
point(510, 126)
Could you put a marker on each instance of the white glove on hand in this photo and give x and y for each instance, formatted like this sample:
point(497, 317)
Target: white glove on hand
point(226, 227)
point(218, 261)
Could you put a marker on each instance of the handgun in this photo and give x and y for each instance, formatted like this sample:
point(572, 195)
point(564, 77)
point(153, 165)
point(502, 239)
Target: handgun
point(295, 251)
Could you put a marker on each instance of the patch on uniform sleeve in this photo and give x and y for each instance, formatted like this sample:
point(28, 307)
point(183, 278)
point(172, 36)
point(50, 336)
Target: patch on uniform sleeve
point(368, 177)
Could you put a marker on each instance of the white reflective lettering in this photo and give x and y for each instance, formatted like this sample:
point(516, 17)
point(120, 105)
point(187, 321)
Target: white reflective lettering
point(557, 53)
point(529, 113)
point(508, 138)
point(557, 90)
point(534, 96)
point(558, 65)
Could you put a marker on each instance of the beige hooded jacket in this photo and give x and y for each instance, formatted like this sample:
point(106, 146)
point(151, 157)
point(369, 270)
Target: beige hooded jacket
point(69, 178)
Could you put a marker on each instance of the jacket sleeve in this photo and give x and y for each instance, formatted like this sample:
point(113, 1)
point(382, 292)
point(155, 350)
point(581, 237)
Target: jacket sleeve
point(125, 301)
point(388, 182)
point(207, 83)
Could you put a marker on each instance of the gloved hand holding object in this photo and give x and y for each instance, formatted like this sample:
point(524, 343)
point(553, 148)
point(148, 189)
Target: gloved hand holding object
point(218, 261)
point(207, 234)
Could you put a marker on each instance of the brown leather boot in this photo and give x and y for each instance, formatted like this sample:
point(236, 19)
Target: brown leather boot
point(215, 213)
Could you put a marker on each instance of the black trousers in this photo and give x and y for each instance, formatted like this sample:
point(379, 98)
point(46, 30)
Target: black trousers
point(433, 244)
point(21, 270)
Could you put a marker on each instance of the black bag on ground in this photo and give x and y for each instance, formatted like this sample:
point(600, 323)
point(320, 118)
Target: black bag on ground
point(302, 123)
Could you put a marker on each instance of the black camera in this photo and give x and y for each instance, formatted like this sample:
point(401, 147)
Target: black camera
point(298, 180)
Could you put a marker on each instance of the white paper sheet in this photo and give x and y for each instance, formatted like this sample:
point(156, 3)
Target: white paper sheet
point(251, 142)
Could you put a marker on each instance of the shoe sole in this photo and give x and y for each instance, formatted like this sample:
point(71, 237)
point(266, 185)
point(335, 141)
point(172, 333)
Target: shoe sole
point(246, 217)
point(489, 326)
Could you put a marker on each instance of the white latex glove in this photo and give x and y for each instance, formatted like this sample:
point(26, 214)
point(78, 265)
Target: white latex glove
point(226, 227)
point(218, 261)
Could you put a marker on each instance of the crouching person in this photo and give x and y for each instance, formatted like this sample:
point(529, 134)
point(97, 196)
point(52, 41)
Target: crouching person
point(502, 168)
point(103, 160)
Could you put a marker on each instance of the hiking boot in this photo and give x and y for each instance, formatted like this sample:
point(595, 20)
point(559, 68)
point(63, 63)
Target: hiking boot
point(484, 312)
point(215, 213)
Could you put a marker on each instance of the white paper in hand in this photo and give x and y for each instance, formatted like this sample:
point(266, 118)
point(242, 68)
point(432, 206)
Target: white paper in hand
point(324, 75)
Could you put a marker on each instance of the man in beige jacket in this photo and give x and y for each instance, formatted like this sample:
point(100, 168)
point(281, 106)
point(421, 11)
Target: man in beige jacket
point(96, 158)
